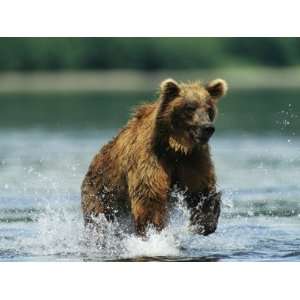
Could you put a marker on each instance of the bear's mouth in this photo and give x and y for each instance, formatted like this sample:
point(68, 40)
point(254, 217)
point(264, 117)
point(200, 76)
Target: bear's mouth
point(199, 139)
point(203, 140)
point(199, 136)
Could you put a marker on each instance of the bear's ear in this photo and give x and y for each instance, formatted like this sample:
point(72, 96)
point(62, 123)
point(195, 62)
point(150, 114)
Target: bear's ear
point(169, 89)
point(217, 88)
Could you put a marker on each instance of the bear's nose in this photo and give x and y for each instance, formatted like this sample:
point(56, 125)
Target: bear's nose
point(207, 130)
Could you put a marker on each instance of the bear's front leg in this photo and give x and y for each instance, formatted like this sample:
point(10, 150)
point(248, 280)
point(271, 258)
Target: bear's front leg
point(148, 212)
point(149, 196)
point(205, 211)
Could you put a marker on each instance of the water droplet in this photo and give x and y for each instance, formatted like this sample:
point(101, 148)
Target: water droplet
point(250, 213)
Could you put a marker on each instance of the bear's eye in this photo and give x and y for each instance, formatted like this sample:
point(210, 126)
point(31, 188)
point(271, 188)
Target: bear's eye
point(190, 107)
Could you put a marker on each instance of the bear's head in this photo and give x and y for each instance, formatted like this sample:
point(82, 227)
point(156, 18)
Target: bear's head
point(188, 110)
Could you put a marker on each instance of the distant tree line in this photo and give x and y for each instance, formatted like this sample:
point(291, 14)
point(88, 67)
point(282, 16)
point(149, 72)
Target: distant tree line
point(29, 54)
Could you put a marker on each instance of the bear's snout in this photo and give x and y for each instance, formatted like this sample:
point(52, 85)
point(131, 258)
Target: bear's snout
point(208, 130)
point(204, 132)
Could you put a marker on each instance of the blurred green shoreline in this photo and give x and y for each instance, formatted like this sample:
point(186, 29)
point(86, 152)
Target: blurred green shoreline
point(134, 80)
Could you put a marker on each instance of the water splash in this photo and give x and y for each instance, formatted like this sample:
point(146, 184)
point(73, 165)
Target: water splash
point(59, 232)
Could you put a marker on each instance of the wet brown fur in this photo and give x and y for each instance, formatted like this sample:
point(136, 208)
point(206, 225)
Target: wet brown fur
point(137, 170)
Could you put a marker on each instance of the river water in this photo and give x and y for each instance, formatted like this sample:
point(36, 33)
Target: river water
point(48, 140)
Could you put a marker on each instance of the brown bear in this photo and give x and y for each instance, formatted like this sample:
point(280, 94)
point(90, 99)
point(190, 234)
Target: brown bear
point(164, 145)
